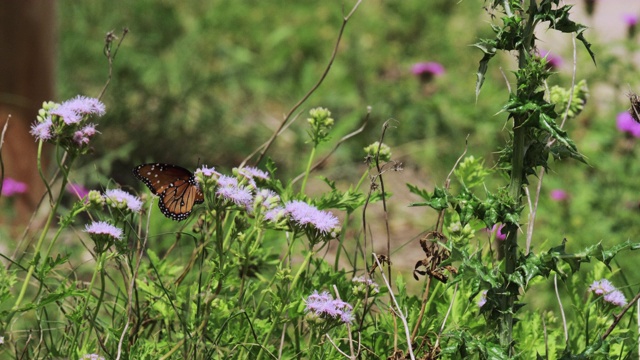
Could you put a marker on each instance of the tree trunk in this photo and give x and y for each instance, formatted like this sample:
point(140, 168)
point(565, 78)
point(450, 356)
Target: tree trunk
point(27, 50)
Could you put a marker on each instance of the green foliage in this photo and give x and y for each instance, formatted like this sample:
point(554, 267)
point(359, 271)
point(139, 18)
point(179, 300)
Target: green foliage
point(234, 281)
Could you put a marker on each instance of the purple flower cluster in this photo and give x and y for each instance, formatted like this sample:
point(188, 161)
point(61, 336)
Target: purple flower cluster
point(266, 200)
point(253, 173)
point(305, 215)
point(65, 123)
point(611, 294)
point(324, 306)
point(72, 111)
point(627, 124)
point(104, 228)
point(123, 200)
point(12, 187)
point(229, 189)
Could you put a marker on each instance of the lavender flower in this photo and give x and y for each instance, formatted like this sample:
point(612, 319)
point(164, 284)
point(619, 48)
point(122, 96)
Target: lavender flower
point(626, 124)
point(67, 115)
point(601, 287)
point(123, 200)
point(100, 228)
point(306, 215)
point(83, 105)
point(276, 214)
point(323, 307)
point(226, 180)
point(266, 200)
point(228, 189)
point(207, 171)
point(253, 173)
point(611, 294)
point(207, 177)
point(559, 195)
point(429, 69)
point(12, 187)
point(42, 130)
point(65, 124)
point(616, 298)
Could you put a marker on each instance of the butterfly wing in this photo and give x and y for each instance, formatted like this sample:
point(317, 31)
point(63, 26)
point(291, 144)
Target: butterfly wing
point(176, 187)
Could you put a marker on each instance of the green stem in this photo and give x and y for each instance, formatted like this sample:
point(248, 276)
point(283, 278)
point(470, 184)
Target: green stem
point(274, 323)
point(343, 232)
point(510, 245)
point(308, 169)
point(38, 247)
point(98, 270)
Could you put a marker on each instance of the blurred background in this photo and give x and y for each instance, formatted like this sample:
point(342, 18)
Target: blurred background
point(206, 82)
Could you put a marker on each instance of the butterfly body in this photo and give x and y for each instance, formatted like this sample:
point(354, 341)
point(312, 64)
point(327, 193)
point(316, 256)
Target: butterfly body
point(176, 187)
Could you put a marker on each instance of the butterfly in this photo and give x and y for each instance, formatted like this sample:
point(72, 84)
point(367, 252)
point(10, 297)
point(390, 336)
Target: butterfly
point(176, 187)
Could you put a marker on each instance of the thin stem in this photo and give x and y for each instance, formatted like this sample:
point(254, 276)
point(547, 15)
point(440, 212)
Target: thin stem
point(38, 247)
point(308, 169)
point(295, 107)
point(398, 312)
point(98, 270)
point(274, 323)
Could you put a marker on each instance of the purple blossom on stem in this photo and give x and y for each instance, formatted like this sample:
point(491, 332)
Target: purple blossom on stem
point(616, 298)
point(626, 124)
point(601, 287)
point(553, 61)
point(12, 187)
point(324, 306)
point(226, 180)
point(276, 214)
point(67, 114)
point(83, 105)
point(229, 189)
point(266, 198)
point(630, 19)
point(427, 68)
point(42, 130)
point(123, 200)
point(104, 228)
point(304, 214)
point(559, 195)
point(253, 172)
point(73, 110)
point(80, 138)
point(611, 294)
point(207, 171)
point(499, 234)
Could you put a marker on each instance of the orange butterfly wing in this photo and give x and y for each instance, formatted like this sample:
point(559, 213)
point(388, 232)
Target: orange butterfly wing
point(176, 187)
